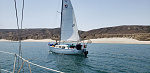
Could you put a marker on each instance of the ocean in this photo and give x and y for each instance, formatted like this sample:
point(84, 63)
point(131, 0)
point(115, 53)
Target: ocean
point(102, 58)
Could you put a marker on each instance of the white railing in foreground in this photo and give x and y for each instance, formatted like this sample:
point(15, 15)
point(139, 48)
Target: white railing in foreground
point(28, 63)
point(6, 71)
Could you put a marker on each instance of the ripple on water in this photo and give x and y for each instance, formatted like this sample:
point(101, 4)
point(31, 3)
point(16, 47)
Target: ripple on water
point(102, 58)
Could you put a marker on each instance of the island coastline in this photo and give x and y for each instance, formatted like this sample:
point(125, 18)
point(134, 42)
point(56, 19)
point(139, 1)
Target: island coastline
point(99, 40)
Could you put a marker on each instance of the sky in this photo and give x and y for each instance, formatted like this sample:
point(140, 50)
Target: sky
point(90, 14)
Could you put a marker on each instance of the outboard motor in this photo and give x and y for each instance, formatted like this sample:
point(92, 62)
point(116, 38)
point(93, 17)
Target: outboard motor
point(85, 53)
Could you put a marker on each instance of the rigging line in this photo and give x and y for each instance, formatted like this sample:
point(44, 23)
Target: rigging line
point(18, 29)
point(55, 20)
point(19, 32)
point(22, 14)
point(16, 13)
point(31, 62)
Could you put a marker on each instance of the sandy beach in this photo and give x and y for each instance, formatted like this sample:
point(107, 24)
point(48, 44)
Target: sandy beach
point(29, 40)
point(100, 40)
point(42, 40)
point(3, 40)
point(118, 41)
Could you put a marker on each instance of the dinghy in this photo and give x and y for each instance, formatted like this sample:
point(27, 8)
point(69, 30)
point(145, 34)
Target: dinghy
point(69, 33)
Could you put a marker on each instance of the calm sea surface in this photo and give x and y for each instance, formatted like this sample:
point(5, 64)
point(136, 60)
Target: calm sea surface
point(102, 58)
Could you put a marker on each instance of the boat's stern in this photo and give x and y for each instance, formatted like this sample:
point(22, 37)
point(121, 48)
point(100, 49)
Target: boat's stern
point(85, 52)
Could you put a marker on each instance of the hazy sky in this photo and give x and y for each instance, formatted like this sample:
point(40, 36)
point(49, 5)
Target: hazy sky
point(90, 14)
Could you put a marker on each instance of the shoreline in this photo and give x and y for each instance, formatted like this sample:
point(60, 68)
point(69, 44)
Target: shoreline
point(118, 41)
point(99, 40)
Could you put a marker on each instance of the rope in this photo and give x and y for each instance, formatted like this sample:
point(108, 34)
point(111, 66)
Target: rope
point(7, 53)
point(16, 14)
point(46, 68)
point(22, 14)
point(29, 66)
point(32, 63)
point(6, 70)
point(40, 66)
point(20, 51)
point(21, 66)
point(18, 28)
point(19, 33)
point(14, 64)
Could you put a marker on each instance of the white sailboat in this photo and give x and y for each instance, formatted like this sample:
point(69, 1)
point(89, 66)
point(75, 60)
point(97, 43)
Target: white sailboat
point(69, 32)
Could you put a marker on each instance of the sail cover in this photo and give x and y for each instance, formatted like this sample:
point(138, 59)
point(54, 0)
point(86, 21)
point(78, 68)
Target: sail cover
point(69, 30)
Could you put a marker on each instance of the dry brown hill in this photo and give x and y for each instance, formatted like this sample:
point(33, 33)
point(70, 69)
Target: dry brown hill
point(133, 31)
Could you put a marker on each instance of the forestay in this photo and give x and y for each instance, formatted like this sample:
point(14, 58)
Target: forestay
point(69, 30)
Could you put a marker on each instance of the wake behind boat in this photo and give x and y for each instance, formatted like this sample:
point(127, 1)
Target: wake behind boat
point(69, 32)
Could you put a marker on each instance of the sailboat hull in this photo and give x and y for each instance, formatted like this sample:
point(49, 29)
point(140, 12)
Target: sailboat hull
point(67, 51)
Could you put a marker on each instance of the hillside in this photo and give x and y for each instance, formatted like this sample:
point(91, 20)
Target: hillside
point(134, 31)
point(122, 30)
point(11, 34)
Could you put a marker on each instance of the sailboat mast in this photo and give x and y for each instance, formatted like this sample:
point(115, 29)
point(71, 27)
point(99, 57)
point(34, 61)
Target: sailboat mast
point(61, 22)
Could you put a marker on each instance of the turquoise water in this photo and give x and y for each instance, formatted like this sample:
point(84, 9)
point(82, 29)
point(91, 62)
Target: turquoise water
point(102, 58)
